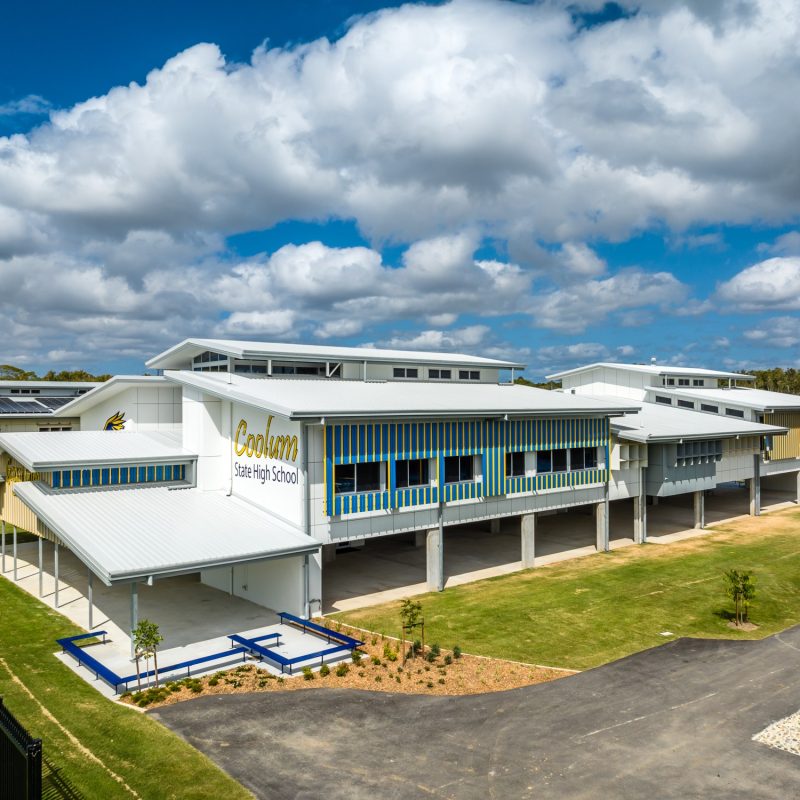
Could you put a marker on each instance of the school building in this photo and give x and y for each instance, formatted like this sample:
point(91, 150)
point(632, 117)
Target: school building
point(267, 471)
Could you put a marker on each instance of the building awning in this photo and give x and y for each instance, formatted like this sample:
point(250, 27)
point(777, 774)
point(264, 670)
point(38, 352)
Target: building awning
point(40, 452)
point(138, 533)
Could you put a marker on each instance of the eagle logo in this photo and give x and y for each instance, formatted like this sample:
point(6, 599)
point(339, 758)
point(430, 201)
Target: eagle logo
point(116, 422)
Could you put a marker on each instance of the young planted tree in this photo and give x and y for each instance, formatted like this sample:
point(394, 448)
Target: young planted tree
point(410, 617)
point(146, 639)
point(741, 588)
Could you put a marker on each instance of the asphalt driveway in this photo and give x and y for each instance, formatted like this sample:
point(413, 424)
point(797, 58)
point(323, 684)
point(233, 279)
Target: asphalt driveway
point(672, 722)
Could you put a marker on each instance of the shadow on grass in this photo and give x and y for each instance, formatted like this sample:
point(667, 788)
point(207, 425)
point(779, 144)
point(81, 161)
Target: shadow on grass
point(56, 785)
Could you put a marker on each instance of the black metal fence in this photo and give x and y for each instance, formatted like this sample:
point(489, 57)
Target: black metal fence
point(20, 760)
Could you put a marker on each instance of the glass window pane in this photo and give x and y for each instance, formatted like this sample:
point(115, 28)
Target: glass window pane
point(559, 460)
point(451, 469)
point(345, 478)
point(544, 461)
point(590, 458)
point(467, 465)
point(368, 477)
point(576, 458)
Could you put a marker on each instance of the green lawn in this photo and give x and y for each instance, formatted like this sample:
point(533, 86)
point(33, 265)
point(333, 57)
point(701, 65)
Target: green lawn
point(586, 612)
point(149, 758)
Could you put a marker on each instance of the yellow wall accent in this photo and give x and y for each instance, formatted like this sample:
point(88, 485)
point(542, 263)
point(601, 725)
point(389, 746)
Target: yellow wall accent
point(788, 445)
point(12, 510)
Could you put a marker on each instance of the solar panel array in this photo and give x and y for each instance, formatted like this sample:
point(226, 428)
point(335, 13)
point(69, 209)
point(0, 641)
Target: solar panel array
point(54, 402)
point(21, 407)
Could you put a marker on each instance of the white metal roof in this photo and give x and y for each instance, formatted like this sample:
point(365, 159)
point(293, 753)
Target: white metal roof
point(660, 423)
point(176, 356)
point(653, 369)
point(756, 399)
point(315, 398)
point(43, 451)
point(135, 533)
point(105, 391)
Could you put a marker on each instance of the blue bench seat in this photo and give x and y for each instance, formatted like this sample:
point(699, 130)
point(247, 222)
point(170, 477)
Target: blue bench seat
point(282, 660)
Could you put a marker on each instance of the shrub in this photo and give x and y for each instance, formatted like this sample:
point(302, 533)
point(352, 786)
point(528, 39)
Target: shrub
point(308, 674)
point(211, 682)
point(342, 670)
point(417, 646)
point(429, 685)
point(430, 657)
point(281, 680)
point(456, 651)
point(392, 656)
point(435, 650)
point(448, 659)
point(441, 680)
point(374, 641)
point(324, 671)
point(397, 678)
point(376, 661)
point(356, 657)
point(378, 678)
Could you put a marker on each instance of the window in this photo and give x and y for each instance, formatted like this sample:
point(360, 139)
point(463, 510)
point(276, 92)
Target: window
point(469, 375)
point(414, 472)
point(683, 381)
point(296, 369)
point(406, 372)
point(734, 412)
point(551, 461)
point(459, 468)
point(698, 382)
point(685, 403)
point(583, 458)
point(47, 428)
point(440, 374)
point(665, 400)
point(669, 382)
point(709, 408)
point(515, 464)
point(364, 477)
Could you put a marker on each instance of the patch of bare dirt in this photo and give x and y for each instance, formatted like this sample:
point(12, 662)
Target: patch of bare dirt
point(743, 626)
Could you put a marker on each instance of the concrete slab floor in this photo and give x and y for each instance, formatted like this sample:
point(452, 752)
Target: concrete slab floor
point(194, 619)
point(391, 568)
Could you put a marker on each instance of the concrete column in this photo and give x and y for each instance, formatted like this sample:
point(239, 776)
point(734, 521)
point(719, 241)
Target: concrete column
point(755, 487)
point(601, 516)
point(640, 519)
point(328, 553)
point(41, 567)
point(434, 546)
point(494, 525)
point(528, 532)
point(699, 510)
point(134, 613)
point(90, 598)
point(14, 545)
point(55, 571)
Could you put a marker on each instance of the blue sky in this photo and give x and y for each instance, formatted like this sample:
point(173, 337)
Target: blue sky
point(558, 183)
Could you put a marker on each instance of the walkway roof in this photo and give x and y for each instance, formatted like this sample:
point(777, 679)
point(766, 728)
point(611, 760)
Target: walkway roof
point(316, 398)
point(756, 399)
point(137, 533)
point(659, 423)
point(178, 355)
point(44, 451)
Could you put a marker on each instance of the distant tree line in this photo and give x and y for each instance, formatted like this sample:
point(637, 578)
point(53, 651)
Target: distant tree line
point(777, 379)
point(11, 373)
point(545, 385)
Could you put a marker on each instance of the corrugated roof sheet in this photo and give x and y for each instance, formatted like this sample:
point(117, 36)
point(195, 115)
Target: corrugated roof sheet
point(105, 391)
point(239, 349)
point(653, 369)
point(125, 534)
point(43, 451)
point(298, 399)
point(656, 422)
point(757, 399)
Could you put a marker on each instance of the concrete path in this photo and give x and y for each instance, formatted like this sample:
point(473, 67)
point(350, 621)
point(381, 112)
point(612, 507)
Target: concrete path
point(673, 722)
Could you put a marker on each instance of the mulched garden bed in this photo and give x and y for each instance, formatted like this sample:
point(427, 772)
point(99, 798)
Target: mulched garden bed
point(380, 668)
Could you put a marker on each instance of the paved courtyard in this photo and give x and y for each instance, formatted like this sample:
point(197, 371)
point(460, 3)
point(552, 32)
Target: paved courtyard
point(677, 722)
